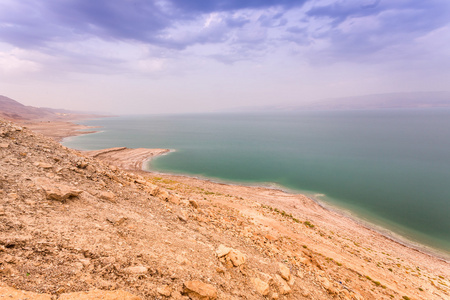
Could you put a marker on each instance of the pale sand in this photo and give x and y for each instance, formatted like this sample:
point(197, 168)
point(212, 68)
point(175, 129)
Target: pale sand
point(359, 250)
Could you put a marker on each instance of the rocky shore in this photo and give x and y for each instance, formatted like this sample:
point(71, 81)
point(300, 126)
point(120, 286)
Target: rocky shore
point(94, 226)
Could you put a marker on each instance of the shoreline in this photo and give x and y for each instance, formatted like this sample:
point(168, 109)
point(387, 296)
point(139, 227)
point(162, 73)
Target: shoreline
point(379, 229)
point(135, 159)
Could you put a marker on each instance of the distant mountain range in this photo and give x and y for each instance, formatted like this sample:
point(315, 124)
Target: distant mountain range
point(12, 110)
point(375, 101)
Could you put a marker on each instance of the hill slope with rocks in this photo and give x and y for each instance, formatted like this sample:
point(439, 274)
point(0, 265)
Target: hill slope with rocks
point(76, 227)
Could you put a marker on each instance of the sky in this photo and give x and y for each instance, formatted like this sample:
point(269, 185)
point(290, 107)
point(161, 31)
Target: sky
point(178, 56)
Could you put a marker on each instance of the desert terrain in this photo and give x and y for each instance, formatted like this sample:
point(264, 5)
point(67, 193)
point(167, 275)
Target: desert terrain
point(93, 225)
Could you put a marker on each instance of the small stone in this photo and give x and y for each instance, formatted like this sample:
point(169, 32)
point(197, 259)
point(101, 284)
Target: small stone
point(261, 286)
point(136, 270)
point(182, 217)
point(109, 196)
point(183, 260)
point(236, 257)
point(173, 199)
point(270, 237)
point(325, 282)
point(163, 195)
point(4, 145)
point(164, 290)
point(43, 165)
point(140, 181)
point(222, 251)
point(198, 290)
point(284, 271)
point(193, 203)
point(275, 296)
point(85, 262)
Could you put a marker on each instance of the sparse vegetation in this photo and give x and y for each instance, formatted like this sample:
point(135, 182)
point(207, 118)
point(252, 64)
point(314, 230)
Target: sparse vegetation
point(308, 224)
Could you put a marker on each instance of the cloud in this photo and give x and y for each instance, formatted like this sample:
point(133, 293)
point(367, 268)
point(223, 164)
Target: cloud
point(83, 32)
point(356, 30)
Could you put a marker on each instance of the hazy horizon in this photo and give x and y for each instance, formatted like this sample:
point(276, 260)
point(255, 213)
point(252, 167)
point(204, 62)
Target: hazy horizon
point(172, 56)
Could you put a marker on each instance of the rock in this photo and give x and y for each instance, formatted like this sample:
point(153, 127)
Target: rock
point(222, 251)
point(13, 294)
point(282, 285)
point(163, 195)
point(275, 296)
point(261, 286)
point(193, 203)
point(57, 191)
point(99, 295)
point(324, 282)
point(183, 260)
point(140, 181)
point(236, 257)
point(182, 217)
point(43, 165)
point(85, 262)
point(292, 281)
point(82, 164)
point(270, 237)
point(108, 196)
point(198, 290)
point(173, 199)
point(136, 270)
point(4, 145)
point(116, 220)
point(284, 271)
point(164, 290)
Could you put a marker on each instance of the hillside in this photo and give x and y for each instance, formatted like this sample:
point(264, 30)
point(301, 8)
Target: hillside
point(75, 227)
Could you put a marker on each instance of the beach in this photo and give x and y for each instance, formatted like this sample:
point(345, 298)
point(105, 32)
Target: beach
point(352, 256)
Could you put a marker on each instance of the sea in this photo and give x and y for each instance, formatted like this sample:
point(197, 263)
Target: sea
point(388, 168)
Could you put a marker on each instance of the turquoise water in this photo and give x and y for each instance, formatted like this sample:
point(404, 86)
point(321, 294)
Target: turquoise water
point(388, 167)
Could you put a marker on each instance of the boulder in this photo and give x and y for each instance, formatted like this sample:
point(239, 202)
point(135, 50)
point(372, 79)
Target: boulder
point(200, 291)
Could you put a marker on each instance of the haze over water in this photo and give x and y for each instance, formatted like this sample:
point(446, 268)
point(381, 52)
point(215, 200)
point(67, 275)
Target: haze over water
point(388, 167)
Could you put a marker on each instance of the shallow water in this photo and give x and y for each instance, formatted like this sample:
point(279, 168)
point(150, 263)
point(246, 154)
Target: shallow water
point(388, 167)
